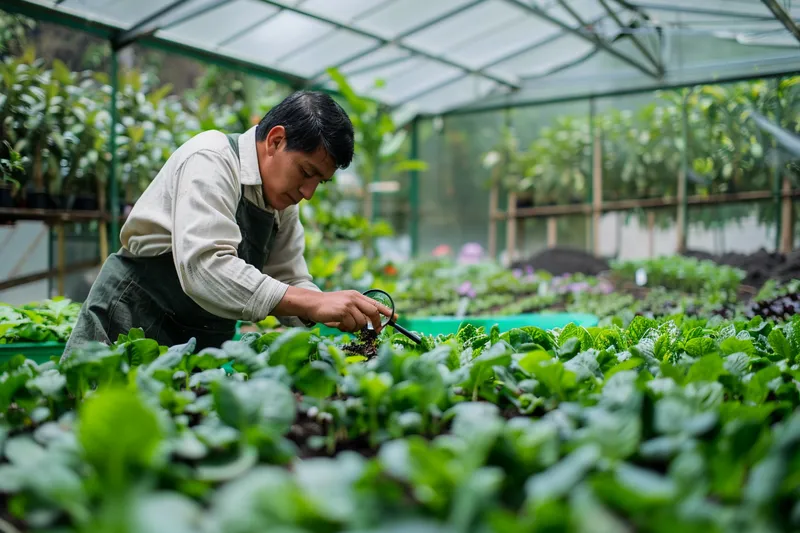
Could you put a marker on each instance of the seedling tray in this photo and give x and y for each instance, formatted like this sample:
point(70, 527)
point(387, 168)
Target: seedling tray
point(40, 352)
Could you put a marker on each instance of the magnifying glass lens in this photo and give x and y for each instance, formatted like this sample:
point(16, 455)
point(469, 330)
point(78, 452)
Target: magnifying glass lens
point(382, 298)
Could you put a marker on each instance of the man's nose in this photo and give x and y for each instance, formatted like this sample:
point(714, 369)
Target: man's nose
point(307, 190)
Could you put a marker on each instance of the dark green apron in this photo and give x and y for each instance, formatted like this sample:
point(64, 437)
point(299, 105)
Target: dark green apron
point(145, 292)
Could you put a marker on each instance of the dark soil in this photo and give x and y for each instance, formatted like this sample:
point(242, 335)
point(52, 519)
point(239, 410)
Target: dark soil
point(558, 261)
point(366, 345)
point(759, 266)
point(305, 428)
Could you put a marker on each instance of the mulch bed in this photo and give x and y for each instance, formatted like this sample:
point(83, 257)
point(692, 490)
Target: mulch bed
point(558, 261)
point(760, 266)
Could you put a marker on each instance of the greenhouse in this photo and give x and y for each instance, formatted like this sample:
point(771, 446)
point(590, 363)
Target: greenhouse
point(367, 266)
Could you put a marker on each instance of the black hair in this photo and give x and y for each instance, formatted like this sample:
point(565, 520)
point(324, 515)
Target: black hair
point(312, 119)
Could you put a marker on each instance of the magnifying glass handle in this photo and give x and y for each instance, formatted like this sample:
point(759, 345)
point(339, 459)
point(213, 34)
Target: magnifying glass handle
point(405, 332)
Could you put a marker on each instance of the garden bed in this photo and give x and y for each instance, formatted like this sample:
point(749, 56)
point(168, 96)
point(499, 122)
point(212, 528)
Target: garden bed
point(649, 426)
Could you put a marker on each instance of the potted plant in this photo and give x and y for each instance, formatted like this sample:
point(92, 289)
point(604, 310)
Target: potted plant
point(11, 168)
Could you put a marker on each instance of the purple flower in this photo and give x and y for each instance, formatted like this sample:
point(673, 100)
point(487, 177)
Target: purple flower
point(465, 289)
point(517, 272)
point(529, 270)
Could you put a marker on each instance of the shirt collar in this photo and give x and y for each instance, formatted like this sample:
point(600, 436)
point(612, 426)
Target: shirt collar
point(248, 157)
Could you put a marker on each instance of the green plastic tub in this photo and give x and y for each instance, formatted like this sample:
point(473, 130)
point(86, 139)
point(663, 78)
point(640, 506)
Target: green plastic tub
point(41, 352)
point(445, 325)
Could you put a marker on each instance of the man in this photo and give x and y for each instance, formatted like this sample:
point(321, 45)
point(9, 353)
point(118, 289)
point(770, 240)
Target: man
point(216, 237)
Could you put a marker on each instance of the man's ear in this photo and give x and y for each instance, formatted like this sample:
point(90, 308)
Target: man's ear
point(274, 139)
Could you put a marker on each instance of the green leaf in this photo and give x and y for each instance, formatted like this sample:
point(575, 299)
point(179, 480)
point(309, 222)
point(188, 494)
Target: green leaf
point(119, 434)
point(646, 484)
point(638, 328)
point(49, 384)
point(707, 368)
point(142, 351)
point(23, 451)
point(218, 471)
point(780, 345)
point(166, 512)
point(330, 485)
point(572, 330)
point(558, 480)
point(734, 345)
point(316, 379)
point(290, 349)
point(700, 347)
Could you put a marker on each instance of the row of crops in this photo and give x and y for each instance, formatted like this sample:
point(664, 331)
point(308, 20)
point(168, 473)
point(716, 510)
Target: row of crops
point(643, 150)
point(663, 416)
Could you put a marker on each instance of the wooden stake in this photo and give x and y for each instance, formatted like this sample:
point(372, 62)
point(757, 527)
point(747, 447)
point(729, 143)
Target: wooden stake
point(103, 238)
point(511, 226)
point(681, 212)
point(552, 232)
point(102, 201)
point(597, 196)
point(61, 257)
point(787, 218)
point(493, 198)
point(651, 241)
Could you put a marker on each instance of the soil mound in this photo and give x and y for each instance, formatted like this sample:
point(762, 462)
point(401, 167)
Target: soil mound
point(559, 261)
point(759, 266)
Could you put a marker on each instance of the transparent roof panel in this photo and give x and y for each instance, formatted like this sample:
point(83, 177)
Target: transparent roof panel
point(282, 34)
point(546, 57)
point(463, 90)
point(479, 20)
point(517, 34)
point(399, 16)
point(406, 79)
point(325, 52)
point(238, 15)
point(121, 12)
point(587, 10)
point(440, 54)
point(381, 57)
point(342, 11)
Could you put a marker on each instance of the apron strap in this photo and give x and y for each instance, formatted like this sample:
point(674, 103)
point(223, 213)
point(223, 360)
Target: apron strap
point(233, 140)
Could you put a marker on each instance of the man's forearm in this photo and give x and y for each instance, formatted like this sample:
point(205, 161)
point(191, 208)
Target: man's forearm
point(298, 302)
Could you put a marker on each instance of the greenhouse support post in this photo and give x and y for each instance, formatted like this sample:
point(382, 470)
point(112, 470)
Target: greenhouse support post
point(683, 201)
point(776, 171)
point(413, 190)
point(113, 186)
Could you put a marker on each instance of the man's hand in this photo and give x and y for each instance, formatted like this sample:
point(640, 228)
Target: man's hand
point(347, 311)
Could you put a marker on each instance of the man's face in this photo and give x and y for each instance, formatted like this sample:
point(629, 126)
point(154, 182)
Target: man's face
point(289, 177)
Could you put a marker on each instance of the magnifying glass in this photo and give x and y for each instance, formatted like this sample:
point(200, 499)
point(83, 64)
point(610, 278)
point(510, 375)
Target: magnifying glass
point(382, 297)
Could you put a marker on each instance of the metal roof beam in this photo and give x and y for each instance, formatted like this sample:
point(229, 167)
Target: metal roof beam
point(384, 41)
point(642, 48)
point(783, 17)
point(146, 26)
point(589, 36)
point(696, 11)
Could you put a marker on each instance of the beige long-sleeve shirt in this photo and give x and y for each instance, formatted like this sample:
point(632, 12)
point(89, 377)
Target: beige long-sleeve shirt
point(190, 210)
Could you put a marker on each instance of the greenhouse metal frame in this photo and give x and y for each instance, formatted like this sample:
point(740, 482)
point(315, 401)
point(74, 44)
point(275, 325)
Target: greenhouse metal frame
point(450, 57)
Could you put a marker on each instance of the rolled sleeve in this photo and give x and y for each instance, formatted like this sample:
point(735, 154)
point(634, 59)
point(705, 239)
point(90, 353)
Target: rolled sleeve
point(205, 239)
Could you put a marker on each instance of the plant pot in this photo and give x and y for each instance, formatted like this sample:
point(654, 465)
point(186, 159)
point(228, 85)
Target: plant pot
point(525, 202)
point(60, 201)
point(6, 196)
point(36, 200)
point(85, 202)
